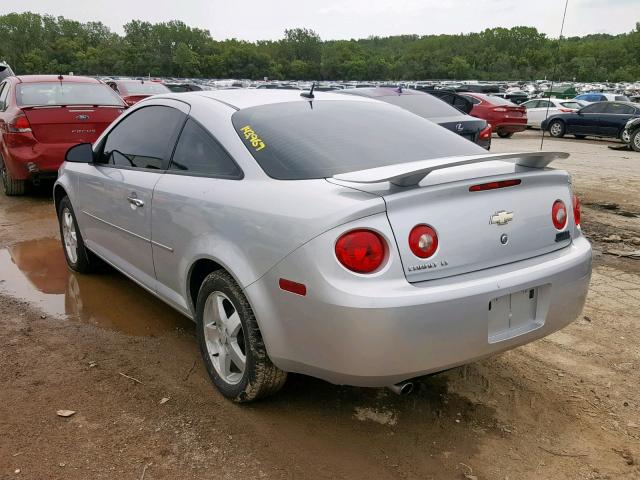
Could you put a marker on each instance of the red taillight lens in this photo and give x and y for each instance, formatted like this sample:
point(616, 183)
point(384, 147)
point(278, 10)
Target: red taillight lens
point(499, 109)
point(19, 124)
point(493, 185)
point(559, 214)
point(423, 241)
point(565, 110)
point(577, 210)
point(486, 132)
point(293, 287)
point(361, 251)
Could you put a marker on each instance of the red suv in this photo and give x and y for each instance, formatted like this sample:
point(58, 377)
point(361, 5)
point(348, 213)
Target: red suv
point(506, 118)
point(42, 116)
point(132, 91)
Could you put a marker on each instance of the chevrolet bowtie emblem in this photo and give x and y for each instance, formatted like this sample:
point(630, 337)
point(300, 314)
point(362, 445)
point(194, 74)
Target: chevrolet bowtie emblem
point(501, 218)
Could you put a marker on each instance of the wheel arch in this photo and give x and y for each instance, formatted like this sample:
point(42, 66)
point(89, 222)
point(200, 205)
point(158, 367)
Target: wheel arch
point(59, 193)
point(198, 271)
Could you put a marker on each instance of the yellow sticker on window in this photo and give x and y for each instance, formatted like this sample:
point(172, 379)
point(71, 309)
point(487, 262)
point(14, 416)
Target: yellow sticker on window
point(252, 136)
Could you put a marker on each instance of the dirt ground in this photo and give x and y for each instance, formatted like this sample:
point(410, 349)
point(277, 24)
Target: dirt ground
point(565, 407)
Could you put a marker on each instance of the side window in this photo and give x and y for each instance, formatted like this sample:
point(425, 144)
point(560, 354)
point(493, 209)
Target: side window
point(532, 104)
point(143, 139)
point(473, 100)
point(619, 108)
point(594, 108)
point(545, 104)
point(198, 153)
point(4, 93)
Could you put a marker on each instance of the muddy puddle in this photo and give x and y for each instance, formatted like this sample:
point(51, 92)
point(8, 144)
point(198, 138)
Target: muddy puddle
point(36, 271)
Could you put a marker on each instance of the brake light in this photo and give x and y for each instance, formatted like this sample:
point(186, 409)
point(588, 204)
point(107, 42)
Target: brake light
point(565, 110)
point(485, 134)
point(577, 210)
point(559, 214)
point(423, 241)
point(499, 109)
point(493, 185)
point(19, 124)
point(361, 251)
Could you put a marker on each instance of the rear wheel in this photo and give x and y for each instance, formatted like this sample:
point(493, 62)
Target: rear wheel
point(78, 257)
point(231, 343)
point(11, 186)
point(635, 140)
point(505, 134)
point(556, 128)
point(625, 136)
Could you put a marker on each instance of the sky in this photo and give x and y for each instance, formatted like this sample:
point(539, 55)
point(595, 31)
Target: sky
point(344, 19)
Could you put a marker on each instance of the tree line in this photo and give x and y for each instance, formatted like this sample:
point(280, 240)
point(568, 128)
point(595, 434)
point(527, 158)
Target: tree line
point(33, 43)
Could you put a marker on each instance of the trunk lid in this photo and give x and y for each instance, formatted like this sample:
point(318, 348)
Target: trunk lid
point(471, 225)
point(69, 123)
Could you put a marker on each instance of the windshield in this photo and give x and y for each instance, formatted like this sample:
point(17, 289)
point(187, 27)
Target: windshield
point(59, 93)
point(143, 88)
point(425, 105)
point(304, 140)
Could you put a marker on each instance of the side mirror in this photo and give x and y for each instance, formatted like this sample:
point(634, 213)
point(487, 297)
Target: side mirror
point(82, 153)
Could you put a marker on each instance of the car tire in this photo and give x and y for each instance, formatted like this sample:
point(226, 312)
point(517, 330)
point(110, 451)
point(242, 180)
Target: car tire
point(505, 134)
point(580, 137)
point(625, 137)
point(635, 140)
point(231, 343)
point(557, 128)
point(10, 185)
point(79, 258)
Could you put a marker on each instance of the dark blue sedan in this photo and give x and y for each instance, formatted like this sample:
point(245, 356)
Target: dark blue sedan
point(601, 119)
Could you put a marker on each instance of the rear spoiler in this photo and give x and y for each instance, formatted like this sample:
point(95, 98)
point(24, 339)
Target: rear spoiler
point(411, 173)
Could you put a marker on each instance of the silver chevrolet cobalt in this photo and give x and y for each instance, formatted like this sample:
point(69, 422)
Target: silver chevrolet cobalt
point(323, 234)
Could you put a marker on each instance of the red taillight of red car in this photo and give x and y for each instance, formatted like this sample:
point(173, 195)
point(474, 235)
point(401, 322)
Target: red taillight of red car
point(423, 241)
point(559, 214)
point(499, 109)
point(19, 124)
point(577, 210)
point(361, 251)
point(493, 185)
point(485, 134)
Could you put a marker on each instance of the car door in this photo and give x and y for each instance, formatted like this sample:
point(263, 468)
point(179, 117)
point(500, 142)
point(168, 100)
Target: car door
point(614, 118)
point(533, 115)
point(189, 208)
point(116, 193)
point(587, 120)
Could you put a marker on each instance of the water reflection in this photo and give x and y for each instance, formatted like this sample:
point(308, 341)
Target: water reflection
point(36, 271)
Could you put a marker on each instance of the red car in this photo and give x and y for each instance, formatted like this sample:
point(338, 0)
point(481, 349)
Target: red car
point(132, 91)
point(506, 118)
point(42, 116)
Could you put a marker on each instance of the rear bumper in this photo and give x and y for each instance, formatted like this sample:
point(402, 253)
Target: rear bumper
point(511, 127)
point(37, 160)
point(357, 334)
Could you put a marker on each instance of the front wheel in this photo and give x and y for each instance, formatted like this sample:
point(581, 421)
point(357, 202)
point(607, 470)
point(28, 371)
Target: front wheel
point(78, 257)
point(635, 140)
point(231, 343)
point(505, 134)
point(556, 129)
point(625, 136)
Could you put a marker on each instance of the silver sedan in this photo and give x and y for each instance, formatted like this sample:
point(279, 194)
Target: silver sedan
point(325, 234)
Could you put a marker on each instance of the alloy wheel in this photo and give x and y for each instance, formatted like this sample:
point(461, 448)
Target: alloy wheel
point(224, 338)
point(625, 137)
point(69, 235)
point(556, 129)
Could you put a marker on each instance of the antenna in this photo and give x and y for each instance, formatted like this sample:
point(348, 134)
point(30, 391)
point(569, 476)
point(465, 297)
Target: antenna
point(309, 94)
point(555, 67)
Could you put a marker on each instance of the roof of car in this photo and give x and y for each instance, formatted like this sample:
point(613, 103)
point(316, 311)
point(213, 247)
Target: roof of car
point(245, 98)
point(55, 78)
point(374, 92)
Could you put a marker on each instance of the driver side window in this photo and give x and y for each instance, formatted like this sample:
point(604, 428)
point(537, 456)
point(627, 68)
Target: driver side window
point(144, 139)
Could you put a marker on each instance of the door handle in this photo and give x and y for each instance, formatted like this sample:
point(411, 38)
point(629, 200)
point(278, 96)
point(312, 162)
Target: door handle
point(136, 202)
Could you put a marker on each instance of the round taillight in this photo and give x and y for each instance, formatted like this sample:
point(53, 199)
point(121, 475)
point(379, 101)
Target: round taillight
point(423, 241)
point(361, 251)
point(559, 214)
point(577, 210)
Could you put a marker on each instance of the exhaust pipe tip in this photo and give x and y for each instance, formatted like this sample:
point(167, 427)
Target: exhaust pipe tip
point(402, 388)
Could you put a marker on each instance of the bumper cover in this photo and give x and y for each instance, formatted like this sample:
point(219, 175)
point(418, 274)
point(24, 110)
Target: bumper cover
point(357, 334)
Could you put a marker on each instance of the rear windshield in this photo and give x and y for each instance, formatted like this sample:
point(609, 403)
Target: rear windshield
point(60, 93)
point(499, 101)
point(144, 88)
point(304, 140)
point(425, 105)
